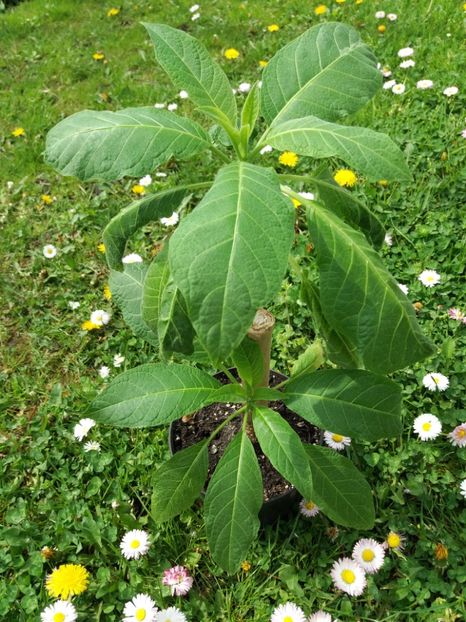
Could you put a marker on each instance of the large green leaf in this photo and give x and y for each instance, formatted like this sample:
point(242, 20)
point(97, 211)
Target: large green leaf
point(139, 213)
point(327, 72)
point(348, 207)
point(248, 360)
point(311, 359)
point(283, 447)
point(127, 291)
point(176, 333)
point(153, 394)
point(357, 403)
point(109, 145)
point(361, 300)
point(339, 489)
point(372, 153)
point(179, 482)
point(190, 67)
point(228, 257)
point(155, 282)
point(232, 503)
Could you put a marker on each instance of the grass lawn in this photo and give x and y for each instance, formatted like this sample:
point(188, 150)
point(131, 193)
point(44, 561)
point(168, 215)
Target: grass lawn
point(80, 503)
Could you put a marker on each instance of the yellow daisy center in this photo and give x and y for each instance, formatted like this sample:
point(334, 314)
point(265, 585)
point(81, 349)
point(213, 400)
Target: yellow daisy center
point(393, 540)
point(426, 426)
point(337, 438)
point(461, 433)
point(348, 576)
point(309, 505)
point(368, 555)
point(135, 544)
point(287, 619)
point(59, 617)
point(140, 614)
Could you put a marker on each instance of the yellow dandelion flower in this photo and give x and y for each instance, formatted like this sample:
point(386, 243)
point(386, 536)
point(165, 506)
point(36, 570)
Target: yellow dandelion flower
point(320, 9)
point(138, 189)
point(245, 566)
point(112, 12)
point(464, 6)
point(288, 158)
point(441, 552)
point(88, 325)
point(383, 182)
point(67, 580)
point(101, 247)
point(46, 198)
point(382, 28)
point(98, 56)
point(340, 1)
point(107, 292)
point(359, 1)
point(296, 203)
point(345, 177)
point(273, 27)
point(18, 131)
point(394, 540)
point(231, 54)
point(263, 63)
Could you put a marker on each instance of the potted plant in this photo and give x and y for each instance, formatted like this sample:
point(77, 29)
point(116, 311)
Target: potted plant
point(198, 299)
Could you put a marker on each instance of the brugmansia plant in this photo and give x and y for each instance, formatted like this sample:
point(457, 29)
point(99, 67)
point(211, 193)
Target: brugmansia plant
point(202, 296)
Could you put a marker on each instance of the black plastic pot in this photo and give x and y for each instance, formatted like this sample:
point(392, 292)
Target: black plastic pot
point(277, 507)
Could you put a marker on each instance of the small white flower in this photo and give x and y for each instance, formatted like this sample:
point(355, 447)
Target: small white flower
point(118, 359)
point(424, 84)
point(259, 84)
point(463, 488)
point(244, 87)
point(458, 436)
point(386, 72)
point(307, 195)
point(134, 544)
point(427, 426)
point(194, 8)
point(450, 91)
point(380, 15)
point(171, 614)
point(336, 441)
point(82, 428)
point(308, 508)
point(195, 17)
point(429, 278)
point(100, 317)
point(389, 84)
point(404, 288)
point(141, 607)
point(398, 89)
point(234, 91)
point(406, 64)
point(92, 446)
point(172, 107)
point(49, 251)
point(266, 149)
point(435, 382)
point(183, 95)
point(392, 17)
point(388, 239)
point(404, 52)
point(104, 371)
point(159, 106)
point(132, 258)
point(115, 504)
point(369, 554)
point(348, 576)
point(160, 174)
point(171, 220)
point(9, 185)
point(320, 616)
point(74, 304)
point(61, 610)
point(289, 612)
point(145, 181)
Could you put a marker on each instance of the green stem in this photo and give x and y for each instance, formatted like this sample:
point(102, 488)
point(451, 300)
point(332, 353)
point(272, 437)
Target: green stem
point(260, 143)
point(229, 375)
point(224, 423)
point(199, 185)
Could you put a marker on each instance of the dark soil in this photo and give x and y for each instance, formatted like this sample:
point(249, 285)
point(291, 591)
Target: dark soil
point(200, 425)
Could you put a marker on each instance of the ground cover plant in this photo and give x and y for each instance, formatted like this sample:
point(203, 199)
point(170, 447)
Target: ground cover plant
point(61, 496)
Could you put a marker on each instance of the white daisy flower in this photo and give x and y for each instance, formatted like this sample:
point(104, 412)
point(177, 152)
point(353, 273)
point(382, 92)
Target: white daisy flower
point(141, 607)
point(183, 95)
point(348, 576)
point(159, 106)
point(336, 441)
point(388, 239)
point(398, 89)
point(132, 258)
point(100, 317)
point(389, 84)
point(74, 304)
point(82, 428)
point(171, 614)
point(171, 220)
point(59, 611)
point(369, 554)
point(427, 426)
point(308, 508)
point(429, 278)
point(145, 181)
point(380, 15)
point(458, 436)
point(320, 616)
point(435, 382)
point(406, 64)
point(49, 251)
point(244, 87)
point(463, 488)
point(307, 195)
point(172, 107)
point(289, 612)
point(194, 8)
point(404, 52)
point(424, 84)
point(404, 288)
point(392, 17)
point(195, 17)
point(104, 371)
point(266, 149)
point(451, 90)
point(386, 72)
point(134, 544)
point(118, 359)
point(92, 446)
